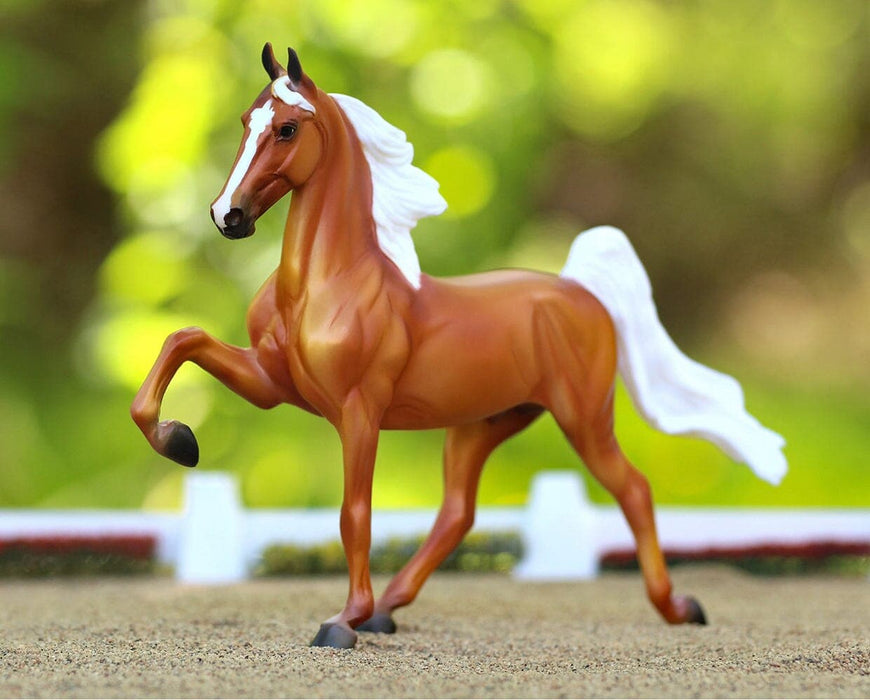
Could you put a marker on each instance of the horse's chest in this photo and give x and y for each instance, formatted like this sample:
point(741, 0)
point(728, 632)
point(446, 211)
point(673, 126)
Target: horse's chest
point(340, 344)
point(327, 333)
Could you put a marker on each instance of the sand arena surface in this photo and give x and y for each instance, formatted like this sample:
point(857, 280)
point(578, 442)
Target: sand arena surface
point(478, 636)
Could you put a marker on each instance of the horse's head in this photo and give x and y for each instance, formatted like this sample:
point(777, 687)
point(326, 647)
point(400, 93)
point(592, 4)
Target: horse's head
point(281, 148)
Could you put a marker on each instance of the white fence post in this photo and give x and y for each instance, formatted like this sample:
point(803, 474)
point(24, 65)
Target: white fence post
point(211, 549)
point(559, 530)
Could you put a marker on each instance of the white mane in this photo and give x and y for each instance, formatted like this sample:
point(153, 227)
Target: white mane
point(402, 194)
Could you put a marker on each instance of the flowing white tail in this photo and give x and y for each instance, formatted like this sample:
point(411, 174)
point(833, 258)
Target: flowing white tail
point(673, 392)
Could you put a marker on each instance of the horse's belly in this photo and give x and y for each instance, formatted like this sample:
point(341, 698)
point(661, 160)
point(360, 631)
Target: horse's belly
point(421, 412)
point(474, 381)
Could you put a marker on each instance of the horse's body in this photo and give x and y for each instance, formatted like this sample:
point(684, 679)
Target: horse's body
point(346, 331)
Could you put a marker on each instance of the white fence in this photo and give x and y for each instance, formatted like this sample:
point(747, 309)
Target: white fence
point(216, 540)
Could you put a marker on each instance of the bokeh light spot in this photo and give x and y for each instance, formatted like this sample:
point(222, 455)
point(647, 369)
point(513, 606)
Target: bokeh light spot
point(125, 345)
point(145, 268)
point(451, 84)
point(517, 74)
point(271, 483)
point(193, 403)
point(166, 494)
point(611, 62)
point(376, 27)
point(167, 121)
point(174, 205)
point(467, 179)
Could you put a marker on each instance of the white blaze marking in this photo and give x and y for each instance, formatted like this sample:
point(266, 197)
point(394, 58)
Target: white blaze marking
point(260, 120)
point(282, 90)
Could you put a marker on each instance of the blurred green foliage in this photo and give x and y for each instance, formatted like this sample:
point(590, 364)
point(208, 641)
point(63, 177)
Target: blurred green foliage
point(44, 557)
point(846, 565)
point(729, 138)
point(20, 563)
point(478, 552)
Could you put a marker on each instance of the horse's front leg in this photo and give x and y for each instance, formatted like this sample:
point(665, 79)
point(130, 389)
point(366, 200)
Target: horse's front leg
point(358, 428)
point(237, 368)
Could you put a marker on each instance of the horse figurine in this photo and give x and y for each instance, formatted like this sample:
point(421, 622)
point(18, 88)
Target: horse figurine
point(349, 329)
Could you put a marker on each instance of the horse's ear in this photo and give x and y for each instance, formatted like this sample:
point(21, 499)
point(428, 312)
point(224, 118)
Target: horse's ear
point(270, 63)
point(294, 68)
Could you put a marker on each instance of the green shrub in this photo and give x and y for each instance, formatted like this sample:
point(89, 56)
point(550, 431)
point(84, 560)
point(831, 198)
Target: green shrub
point(41, 557)
point(479, 552)
point(290, 560)
point(764, 564)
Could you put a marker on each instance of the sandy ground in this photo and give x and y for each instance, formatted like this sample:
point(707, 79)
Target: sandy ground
point(467, 636)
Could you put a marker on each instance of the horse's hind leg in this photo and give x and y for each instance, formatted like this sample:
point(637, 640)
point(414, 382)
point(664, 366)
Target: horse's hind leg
point(237, 368)
point(466, 449)
point(597, 446)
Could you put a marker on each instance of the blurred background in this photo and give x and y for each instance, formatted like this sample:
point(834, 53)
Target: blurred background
point(730, 139)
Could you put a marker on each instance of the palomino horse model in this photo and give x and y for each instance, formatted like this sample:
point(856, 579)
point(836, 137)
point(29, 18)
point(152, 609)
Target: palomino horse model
point(348, 328)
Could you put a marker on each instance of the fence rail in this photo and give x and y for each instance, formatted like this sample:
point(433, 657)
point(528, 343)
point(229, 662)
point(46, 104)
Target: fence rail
point(215, 540)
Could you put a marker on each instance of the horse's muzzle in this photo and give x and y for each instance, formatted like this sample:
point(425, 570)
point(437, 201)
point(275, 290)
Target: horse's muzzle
point(236, 224)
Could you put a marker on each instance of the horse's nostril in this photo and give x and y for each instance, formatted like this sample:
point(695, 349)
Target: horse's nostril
point(233, 217)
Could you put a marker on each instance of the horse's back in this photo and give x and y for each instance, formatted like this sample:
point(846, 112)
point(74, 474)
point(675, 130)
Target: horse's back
point(505, 300)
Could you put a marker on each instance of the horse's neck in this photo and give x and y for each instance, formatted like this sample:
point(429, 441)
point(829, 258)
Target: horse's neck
point(330, 228)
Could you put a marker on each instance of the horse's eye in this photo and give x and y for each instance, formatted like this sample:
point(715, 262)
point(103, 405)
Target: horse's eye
point(287, 131)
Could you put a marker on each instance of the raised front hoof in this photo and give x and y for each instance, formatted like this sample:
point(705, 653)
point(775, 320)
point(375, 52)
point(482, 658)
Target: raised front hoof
point(179, 443)
point(335, 635)
point(382, 623)
point(694, 613)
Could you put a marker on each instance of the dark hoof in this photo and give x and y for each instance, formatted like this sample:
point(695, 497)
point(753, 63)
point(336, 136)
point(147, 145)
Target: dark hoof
point(695, 613)
point(335, 635)
point(180, 444)
point(379, 622)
